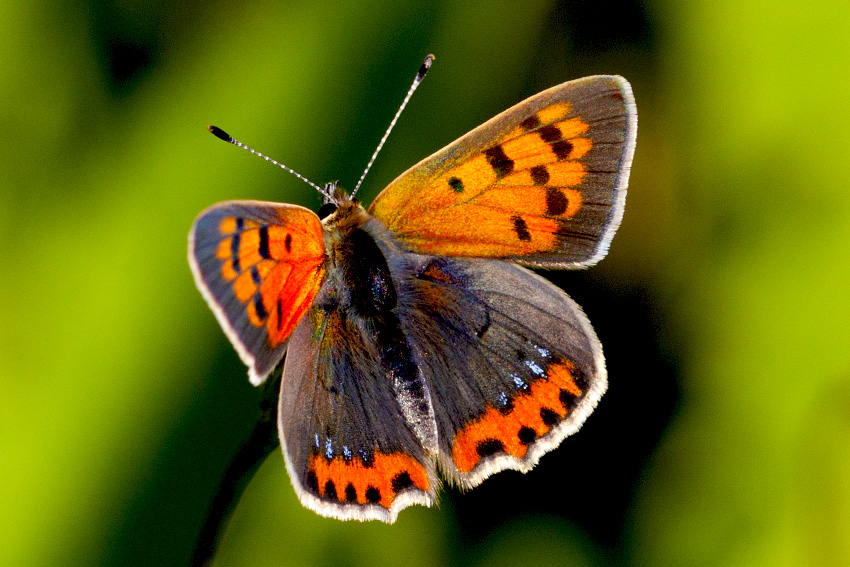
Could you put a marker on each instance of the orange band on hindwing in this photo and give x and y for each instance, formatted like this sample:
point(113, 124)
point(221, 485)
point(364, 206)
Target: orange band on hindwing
point(529, 415)
point(376, 481)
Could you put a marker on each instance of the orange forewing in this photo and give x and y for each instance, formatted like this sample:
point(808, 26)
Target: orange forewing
point(542, 183)
point(259, 265)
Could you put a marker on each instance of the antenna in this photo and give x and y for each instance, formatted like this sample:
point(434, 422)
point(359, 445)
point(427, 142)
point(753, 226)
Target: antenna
point(419, 76)
point(222, 135)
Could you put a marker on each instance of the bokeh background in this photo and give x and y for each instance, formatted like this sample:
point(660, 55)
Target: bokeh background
point(723, 305)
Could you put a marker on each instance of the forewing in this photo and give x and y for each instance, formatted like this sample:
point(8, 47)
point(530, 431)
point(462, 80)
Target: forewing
point(258, 265)
point(349, 450)
point(543, 183)
point(511, 361)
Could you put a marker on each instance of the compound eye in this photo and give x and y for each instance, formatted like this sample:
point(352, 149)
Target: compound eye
point(326, 210)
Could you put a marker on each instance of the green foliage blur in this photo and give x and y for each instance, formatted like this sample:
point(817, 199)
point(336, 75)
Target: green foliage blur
point(723, 305)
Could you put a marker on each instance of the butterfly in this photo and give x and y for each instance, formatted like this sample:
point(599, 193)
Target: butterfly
point(412, 335)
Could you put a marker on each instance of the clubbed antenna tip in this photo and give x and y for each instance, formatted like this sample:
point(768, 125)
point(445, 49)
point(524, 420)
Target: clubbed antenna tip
point(220, 134)
point(424, 68)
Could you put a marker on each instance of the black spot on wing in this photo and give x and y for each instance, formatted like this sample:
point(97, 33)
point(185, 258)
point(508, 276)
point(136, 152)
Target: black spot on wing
point(456, 184)
point(330, 490)
point(350, 493)
point(556, 202)
point(550, 134)
point(489, 447)
point(373, 495)
point(530, 123)
point(234, 248)
point(540, 175)
point(264, 243)
point(526, 435)
point(562, 149)
point(260, 307)
point(549, 416)
point(401, 481)
point(288, 243)
point(502, 165)
point(567, 399)
point(521, 228)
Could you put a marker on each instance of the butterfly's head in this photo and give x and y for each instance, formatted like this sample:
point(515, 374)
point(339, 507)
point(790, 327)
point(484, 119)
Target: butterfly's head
point(337, 204)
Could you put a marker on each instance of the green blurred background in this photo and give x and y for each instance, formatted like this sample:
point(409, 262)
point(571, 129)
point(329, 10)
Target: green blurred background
point(723, 306)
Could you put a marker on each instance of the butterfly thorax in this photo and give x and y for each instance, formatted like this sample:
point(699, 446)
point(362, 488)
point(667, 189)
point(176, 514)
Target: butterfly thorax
point(357, 267)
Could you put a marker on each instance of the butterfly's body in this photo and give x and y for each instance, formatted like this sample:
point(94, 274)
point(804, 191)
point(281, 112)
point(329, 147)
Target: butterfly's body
point(414, 342)
point(354, 327)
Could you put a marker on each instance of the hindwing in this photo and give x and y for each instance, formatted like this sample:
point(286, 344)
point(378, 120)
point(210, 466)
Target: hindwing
point(512, 363)
point(351, 449)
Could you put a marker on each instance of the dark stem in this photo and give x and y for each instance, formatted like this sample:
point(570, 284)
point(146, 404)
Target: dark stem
point(253, 452)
